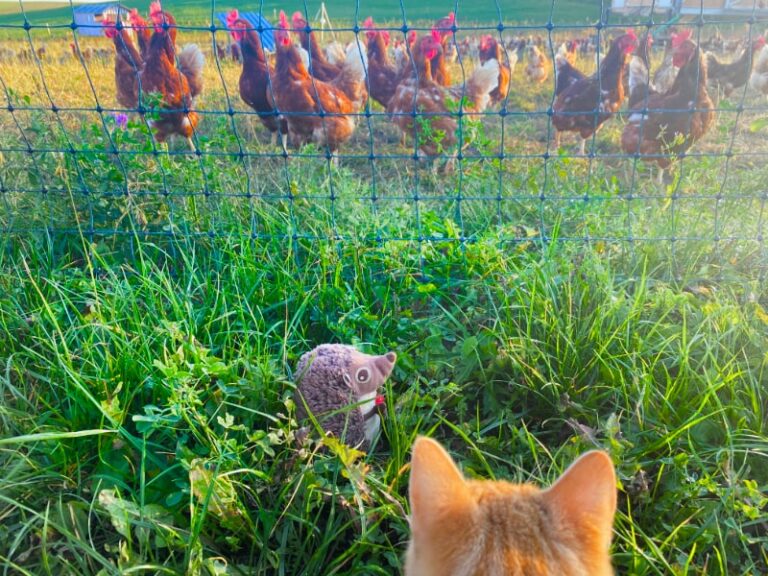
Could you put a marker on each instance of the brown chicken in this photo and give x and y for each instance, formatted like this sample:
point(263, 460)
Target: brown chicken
point(257, 77)
point(316, 111)
point(383, 76)
point(143, 31)
point(729, 77)
point(673, 121)
point(566, 74)
point(85, 54)
point(435, 129)
point(177, 86)
point(490, 49)
point(128, 64)
point(439, 67)
point(585, 105)
point(319, 67)
point(569, 50)
point(537, 69)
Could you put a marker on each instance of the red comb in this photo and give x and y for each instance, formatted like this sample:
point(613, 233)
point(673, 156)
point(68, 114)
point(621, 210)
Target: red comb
point(298, 20)
point(155, 7)
point(631, 34)
point(110, 31)
point(232, 17)
point(136, 18)
point(451, 18)
point(368, 23)
point(679, 38)
point(283, 20)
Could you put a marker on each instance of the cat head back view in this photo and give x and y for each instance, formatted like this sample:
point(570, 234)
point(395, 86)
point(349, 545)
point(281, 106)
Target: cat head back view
point(484, 528)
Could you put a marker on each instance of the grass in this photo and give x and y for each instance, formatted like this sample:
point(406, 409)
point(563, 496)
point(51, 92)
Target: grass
point(147, 420)
point(13, 7)
point(154, 305)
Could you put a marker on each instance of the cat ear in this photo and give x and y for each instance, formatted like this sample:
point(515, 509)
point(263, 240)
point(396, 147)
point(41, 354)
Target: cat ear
point(585, 495)
point(437, 487)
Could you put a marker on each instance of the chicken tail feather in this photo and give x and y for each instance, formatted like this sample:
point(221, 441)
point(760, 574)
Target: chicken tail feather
point(352, 78)
point(483, 81)
point(191, 62)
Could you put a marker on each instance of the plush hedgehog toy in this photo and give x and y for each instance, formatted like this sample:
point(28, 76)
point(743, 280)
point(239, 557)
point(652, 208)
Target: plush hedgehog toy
point(339, 386)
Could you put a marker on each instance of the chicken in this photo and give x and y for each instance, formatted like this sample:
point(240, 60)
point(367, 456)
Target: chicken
point(714, 42)
point(569, 51)
point(335, 53)
point(220, 52)
point(759, 79)
point(435, 130)
point(178, 86)
point(662, 130)
point(444, 29)
point(490, 49)
point(128, 64)
point(639, 86)
point(728, 77)
point(383, 76)
point(537, 69)
point(566, 74)
point(586, 104)
point(143, 31)
point(83, 55)
point(235, 53)
point(402, 52)
point(319, 67)
point(316, 111)
point(256, 79)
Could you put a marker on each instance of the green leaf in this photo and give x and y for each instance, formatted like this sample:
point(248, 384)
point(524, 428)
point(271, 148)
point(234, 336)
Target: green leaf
point(759, 124)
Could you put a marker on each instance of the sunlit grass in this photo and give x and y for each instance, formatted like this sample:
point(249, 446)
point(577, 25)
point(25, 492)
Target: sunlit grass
point(153, 305)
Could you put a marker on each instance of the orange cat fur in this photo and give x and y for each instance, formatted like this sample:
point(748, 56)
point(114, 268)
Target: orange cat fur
point(485, 528)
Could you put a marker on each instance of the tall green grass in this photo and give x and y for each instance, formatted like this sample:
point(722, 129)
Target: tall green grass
point(153, 306)
point(147, 416)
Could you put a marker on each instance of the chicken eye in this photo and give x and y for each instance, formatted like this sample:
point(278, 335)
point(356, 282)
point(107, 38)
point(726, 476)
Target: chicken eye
point(363, 375)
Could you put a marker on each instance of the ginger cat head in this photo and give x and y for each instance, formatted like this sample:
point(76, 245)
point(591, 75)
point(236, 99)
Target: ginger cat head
point(484, 528)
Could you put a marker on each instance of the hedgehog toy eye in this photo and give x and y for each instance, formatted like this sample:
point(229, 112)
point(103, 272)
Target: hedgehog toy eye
point(363, 375)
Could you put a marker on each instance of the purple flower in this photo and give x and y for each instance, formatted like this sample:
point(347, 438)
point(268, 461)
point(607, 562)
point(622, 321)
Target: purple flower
point(121, 120)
